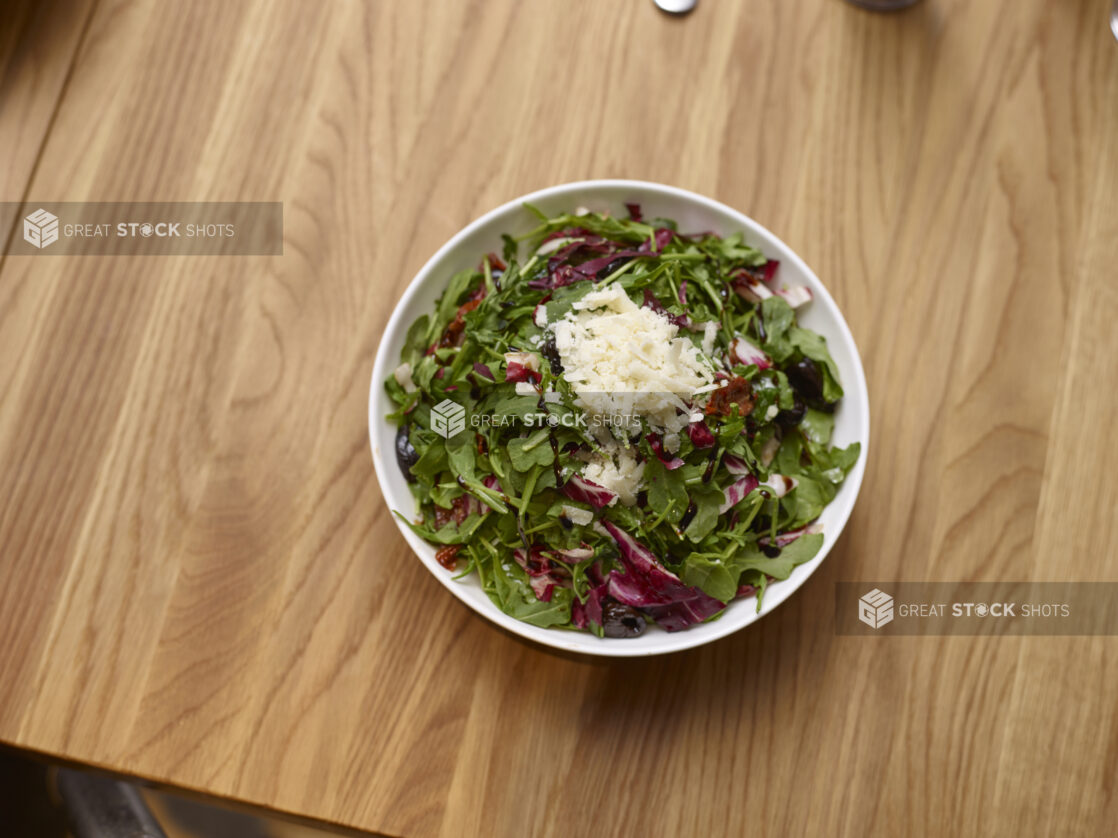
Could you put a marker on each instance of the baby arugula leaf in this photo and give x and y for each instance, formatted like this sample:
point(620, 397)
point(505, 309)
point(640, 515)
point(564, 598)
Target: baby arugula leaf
point(513, 595)
point(707, 499)
point(534, 450)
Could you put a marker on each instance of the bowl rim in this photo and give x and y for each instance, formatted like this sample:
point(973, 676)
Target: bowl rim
point(555, 638)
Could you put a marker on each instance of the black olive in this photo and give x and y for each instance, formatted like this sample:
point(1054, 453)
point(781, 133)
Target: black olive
point(805, 378)
point(565, 522)
point(620, 620)
point(688, 515)
point(551, 352)
point(406, 455)
point(770, 550)
point(789, 419)
point(612, 266)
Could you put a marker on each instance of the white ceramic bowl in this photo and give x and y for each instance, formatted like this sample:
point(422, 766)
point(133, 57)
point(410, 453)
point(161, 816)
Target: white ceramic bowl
point(694, 213)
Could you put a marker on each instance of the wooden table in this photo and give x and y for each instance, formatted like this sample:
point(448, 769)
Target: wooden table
point(201, 585)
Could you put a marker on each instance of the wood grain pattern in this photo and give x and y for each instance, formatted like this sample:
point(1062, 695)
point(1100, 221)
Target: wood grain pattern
point(201, 584)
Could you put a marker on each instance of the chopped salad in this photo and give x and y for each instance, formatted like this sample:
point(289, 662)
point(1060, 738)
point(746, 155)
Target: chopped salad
point(626, 426)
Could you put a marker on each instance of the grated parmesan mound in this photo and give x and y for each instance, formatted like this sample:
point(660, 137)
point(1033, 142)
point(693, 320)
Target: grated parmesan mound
point(624, 359)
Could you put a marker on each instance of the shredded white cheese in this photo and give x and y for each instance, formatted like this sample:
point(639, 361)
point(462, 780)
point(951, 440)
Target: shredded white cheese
point(528, 360)
point(621, 474)
point(622, 359)
point(706, 388)
point(710, 330)
point(780, 484)
point(404, 379)
point(578, 516)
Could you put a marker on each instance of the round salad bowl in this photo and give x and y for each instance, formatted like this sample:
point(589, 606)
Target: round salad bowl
point(693, 213)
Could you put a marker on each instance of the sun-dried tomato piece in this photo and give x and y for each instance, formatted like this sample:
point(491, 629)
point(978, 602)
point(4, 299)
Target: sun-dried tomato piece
point(736, 392)
point(454, 330)
point(448, 556)
point(495, 262)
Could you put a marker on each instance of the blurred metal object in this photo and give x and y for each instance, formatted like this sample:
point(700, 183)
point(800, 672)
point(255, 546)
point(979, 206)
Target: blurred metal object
point(675, 7)
point(884, 5)
point(1114, 19)
point(98, 807)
